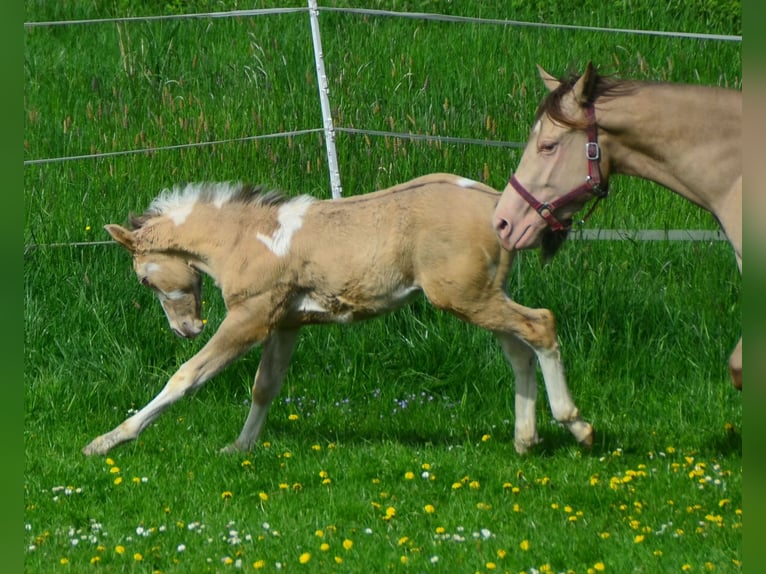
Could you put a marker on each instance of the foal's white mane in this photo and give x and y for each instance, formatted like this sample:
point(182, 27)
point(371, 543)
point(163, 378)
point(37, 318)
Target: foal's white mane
point(182, 197)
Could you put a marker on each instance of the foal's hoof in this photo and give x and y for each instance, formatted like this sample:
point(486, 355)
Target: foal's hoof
point(230, 449)
point(524, 446)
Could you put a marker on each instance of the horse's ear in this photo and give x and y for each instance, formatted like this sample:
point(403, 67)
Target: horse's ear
point(121, 236)
point(583, 88)
point(550, 82)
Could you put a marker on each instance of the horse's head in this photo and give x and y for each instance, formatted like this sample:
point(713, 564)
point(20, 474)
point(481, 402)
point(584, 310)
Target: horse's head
point(176, 283)
point(561, 169)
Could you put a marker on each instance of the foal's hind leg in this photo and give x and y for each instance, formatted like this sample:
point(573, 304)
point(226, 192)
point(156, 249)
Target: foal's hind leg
point(521, 357)
point(536, 328)
point(275, 360)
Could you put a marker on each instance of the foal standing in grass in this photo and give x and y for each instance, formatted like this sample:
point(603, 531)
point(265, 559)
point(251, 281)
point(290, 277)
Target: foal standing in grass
point(283, 263)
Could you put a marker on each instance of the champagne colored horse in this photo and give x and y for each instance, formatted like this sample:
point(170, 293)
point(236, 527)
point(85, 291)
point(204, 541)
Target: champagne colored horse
point(283, 263)
point(683, 137)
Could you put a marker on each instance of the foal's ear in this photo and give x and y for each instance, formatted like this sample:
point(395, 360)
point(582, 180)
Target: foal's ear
point(550, 82)
point(122, 236)
point(584, 86)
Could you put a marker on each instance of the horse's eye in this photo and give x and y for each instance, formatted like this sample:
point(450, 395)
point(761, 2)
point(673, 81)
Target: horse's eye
point(547, 147)
point(145, 281)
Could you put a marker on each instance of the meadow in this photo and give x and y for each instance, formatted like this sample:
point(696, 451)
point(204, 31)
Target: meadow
point(391, 445)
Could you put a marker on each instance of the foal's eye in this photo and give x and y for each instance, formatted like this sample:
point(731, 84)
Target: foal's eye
point(145, 281)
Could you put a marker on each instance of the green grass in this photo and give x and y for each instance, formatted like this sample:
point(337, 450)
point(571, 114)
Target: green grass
point(645, 327)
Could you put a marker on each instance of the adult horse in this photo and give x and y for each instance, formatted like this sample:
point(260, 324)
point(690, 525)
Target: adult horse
point(686, 138)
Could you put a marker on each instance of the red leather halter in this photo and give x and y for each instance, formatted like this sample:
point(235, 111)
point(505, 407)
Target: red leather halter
point(591, 186)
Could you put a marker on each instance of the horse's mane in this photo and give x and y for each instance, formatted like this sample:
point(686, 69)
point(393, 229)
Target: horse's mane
point(600, 87)
point(207, 192)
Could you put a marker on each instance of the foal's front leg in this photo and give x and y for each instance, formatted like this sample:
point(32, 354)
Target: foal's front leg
point(275, 360)
point(238, 332)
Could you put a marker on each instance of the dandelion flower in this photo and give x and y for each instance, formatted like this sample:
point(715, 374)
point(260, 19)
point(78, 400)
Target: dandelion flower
point(138, 557)
point(293, 417)
point(258, 564)
point(429, 508)
point(263, 496)
point(524, 545)
point(409, 475)
point(225, 495)
point(304, 558)
point(119, 549)
point(348, 544)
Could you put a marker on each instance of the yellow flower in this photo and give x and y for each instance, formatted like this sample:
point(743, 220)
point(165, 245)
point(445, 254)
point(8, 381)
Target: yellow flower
point(319, 533)
point(429, 508)
point(114, 469)
point(263, 496)
point(293, 417)
point(338, 560)
point(474, 484)
point(491, 565)
point(138, 557)
point(95, 559)
point(409, 475)
point(64, 561)
point(258, 564)
point(485, 438)
point(324, 547)
point(304, 558)
point(599, 566)
point(524, 545)
point(501, 553)
point(118, 480)
point(638, 538)
point(403, 540)
point(119, 549)
point(456, 485)
point(348, 544)
point(316, 447)
point(226, 495)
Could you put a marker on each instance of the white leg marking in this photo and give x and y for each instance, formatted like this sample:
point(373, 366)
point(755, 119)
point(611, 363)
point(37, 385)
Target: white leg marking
point(522, 359)
point(290, 220)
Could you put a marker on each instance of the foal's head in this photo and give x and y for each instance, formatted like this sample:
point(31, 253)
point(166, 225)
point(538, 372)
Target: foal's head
point(177, 284)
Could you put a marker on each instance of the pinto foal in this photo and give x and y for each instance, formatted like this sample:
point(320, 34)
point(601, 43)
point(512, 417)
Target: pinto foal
point(284, 263)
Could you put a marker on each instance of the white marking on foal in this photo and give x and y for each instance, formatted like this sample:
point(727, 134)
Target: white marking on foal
point(180, 213)
point(173, 295)
point(308, 305)
point(290, 220)
point(465, 182)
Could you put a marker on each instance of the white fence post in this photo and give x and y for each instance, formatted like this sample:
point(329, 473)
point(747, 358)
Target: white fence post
point(324, 91)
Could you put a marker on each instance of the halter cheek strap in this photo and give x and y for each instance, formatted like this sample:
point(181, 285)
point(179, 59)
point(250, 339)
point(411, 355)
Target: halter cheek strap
point(592, 184)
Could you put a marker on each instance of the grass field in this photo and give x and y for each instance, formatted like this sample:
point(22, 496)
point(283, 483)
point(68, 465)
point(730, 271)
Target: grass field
point(391, 446)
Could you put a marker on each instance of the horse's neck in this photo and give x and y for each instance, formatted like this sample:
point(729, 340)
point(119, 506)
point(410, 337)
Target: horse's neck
point(682, 137)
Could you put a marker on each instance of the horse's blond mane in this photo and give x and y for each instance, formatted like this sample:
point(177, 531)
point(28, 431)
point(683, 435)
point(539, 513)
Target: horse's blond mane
point(218, 193)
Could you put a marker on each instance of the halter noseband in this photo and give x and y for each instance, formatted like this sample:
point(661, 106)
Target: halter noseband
point(592, 184)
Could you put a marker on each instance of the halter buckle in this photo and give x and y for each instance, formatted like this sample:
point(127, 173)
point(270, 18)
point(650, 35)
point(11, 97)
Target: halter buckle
point(592, 151)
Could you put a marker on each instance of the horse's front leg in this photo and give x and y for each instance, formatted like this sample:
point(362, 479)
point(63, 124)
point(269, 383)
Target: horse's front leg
point(275, 360)
point(238, 332)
